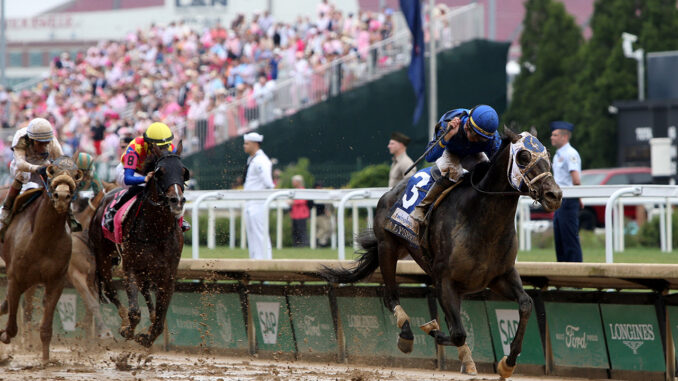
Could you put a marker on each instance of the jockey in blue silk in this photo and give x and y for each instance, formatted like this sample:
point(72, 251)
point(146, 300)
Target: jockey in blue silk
point(468, 137)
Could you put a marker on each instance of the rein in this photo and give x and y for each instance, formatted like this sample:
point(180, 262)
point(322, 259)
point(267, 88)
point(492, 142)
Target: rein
point(164, 200)
point(499, 193)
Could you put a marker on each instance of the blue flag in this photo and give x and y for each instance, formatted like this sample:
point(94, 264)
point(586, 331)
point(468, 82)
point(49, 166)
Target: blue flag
point(412, 12)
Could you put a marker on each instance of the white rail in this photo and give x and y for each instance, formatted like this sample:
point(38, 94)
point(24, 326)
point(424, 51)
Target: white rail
point(613, 197)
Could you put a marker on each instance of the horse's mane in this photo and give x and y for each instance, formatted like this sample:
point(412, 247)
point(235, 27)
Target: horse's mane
point(481, 168)
point(149, 163)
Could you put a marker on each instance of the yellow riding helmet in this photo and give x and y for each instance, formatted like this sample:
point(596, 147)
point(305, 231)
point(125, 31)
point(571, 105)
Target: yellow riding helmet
point(159, 134)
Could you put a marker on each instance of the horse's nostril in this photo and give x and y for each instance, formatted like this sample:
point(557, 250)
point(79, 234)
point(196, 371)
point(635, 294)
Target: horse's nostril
point(56, 195)
point(183, 200)
point(174, 200)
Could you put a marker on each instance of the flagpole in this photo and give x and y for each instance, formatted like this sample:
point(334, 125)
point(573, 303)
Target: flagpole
point(433, 75)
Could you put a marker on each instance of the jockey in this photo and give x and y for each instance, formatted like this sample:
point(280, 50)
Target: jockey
point(128, 172)
point(34, 147)
point(476, 141)
point(85, 163)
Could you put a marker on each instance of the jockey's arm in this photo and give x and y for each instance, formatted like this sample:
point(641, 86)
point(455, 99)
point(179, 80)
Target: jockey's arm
point(439, 148)
point(129, 163)
point(21, 163)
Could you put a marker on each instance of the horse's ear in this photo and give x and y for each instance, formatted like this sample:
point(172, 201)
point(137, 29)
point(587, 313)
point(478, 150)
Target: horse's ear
point(533, 131)
point(510, 134)
point(51, 170)
point(180, 147)
point(78, 176)
point(156, 150)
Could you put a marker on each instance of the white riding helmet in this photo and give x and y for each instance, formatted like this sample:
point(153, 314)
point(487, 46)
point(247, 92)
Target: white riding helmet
point(40, 129)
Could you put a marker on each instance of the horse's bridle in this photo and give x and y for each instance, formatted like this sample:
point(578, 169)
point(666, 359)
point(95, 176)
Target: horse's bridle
point(164, 200)
point(522, 172)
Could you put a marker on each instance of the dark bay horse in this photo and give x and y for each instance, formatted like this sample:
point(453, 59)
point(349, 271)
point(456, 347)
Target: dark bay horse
point(472, 244)
point(151, 245)
point(37, 248)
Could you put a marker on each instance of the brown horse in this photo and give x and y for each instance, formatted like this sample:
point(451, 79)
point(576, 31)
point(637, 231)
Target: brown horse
point(81, 266)
point(151, 246)
point(472, 243)
point(37, 248)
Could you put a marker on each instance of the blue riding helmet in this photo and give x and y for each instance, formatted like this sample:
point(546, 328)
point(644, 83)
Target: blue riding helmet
point(484, 120)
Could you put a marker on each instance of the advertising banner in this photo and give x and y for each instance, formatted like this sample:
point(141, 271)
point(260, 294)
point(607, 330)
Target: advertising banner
point(313, 326)
point(633, 337)
point(503, 318)
point(577, 337)
point(272, 323)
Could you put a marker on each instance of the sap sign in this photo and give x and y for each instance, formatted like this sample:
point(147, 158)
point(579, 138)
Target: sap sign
point(508, 325)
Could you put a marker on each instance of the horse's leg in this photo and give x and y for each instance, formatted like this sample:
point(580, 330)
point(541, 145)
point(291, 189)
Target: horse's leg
point(388, 252)
point(105, 274)
point(510, 286)
point(14, 291)
point(146, 292)
point(163, 295)
point(134, 314)
point(52, 293)
point(28, 313)
point(450, 301)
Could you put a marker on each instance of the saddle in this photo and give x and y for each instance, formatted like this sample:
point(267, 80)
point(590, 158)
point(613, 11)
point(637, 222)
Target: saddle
point(120, 216)
point(401, 223)
point(21, 203)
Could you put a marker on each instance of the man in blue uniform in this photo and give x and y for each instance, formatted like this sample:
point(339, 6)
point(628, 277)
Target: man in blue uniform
point(566, 172)
point(468, 137)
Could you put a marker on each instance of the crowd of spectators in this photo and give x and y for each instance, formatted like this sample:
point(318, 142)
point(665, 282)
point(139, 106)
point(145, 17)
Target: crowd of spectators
point(184, 77)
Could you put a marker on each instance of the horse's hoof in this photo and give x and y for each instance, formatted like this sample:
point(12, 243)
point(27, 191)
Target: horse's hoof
point(127, 333)
point(504, 370)
point(430, 326)
point(469, 368)
point(4, 337)
point(405, 345)
point(144, 340)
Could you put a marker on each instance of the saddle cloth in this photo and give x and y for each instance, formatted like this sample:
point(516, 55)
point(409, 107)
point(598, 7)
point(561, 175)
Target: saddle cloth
point(120, 216)
point(400, 223)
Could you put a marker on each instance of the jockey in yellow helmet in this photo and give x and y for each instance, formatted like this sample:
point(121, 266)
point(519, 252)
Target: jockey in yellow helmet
point(132, 160)
point(128, 172)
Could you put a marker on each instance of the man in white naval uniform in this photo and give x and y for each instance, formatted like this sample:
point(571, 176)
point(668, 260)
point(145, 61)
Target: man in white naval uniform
point(258, 175)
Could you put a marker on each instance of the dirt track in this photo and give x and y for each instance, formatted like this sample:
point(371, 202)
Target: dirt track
point(100, 364)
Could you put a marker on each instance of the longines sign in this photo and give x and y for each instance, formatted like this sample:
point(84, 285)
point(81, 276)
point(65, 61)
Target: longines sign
point(633, 337)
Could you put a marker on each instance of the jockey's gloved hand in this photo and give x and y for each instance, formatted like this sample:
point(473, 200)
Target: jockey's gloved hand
point(42, 171)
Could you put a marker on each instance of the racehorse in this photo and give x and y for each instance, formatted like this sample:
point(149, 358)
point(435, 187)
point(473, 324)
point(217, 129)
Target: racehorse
point(37, 247)
point(81, 266)
point(151, 245)
point(472, 243)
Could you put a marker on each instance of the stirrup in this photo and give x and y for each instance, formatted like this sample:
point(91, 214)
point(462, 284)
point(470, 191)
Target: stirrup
point(75, 225)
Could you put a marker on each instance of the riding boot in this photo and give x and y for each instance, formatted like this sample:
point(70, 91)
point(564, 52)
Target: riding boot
point(8, 204)
point(419, 213)
point(185, 226)
point(110, 213)
point(73, 222)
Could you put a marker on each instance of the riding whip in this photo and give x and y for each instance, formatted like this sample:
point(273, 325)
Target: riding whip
point(414, 165)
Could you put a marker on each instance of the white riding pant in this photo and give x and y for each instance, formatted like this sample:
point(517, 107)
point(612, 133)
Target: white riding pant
point(451, 166)
point(28, 179)
point(258, 241)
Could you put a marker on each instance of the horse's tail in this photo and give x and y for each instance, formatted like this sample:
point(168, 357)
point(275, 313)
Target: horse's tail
point(366, 263)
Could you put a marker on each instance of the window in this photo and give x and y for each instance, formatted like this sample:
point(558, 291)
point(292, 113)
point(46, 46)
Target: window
point(35, 59)
point(621, 178)
point(16, 59)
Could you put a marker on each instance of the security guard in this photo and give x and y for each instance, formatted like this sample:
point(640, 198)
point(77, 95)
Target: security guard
point(566, 172)
point(397, 146)
point(476, 141)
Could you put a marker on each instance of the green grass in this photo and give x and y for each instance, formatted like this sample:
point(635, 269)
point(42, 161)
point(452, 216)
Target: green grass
point(591, 255)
